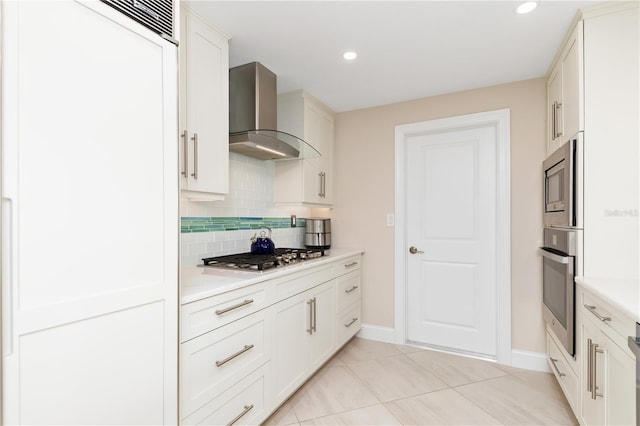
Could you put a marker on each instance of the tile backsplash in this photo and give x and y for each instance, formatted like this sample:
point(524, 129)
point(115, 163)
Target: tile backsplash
point(221, 224)
point(217, 228)
point(197, 245)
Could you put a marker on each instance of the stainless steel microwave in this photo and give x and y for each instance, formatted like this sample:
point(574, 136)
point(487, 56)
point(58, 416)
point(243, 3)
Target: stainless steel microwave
point(563, 177)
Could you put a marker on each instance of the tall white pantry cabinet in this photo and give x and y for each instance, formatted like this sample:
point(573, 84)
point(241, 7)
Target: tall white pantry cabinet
point(89, 217)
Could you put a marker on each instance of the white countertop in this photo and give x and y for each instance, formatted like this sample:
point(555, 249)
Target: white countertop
point(198, 282)
point(622, 294)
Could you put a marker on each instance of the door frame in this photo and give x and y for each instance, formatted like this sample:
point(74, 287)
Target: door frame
point(500, 119)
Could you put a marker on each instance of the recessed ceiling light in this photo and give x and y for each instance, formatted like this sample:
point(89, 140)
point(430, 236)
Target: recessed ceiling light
point(526, 7)
point(350, 56)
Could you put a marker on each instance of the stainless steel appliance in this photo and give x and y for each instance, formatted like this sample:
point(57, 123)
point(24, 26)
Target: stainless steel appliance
point(260, 262)
point(253, 117)
point(634, 345)
point(317, 233)
point(558, 286)
point(563, 185)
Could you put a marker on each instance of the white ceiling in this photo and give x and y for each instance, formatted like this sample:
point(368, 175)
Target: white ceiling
point(407, 49)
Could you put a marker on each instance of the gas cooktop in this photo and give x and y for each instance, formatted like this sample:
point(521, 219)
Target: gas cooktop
point(260, 262)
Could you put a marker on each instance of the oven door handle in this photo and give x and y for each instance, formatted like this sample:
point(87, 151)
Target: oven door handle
point(553, 256)
point(634, 345)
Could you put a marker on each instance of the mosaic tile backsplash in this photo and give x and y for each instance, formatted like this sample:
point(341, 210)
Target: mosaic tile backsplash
point(217, 224)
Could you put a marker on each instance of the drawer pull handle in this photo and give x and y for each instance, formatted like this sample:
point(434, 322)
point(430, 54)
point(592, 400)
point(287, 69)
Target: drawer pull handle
point(351, 322)
point(351, 289)
point(231, 308)
point(230, 357)
point(553, 361)
point(592, 309)
point(247, 408)
point(349, 265)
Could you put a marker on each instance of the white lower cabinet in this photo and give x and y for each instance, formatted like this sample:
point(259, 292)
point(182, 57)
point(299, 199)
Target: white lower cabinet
point(348, 297)
point(213, 362)
point(244, 403)
point(240, 360)
point(303, 337)
point(608, 369)
point(561, 365)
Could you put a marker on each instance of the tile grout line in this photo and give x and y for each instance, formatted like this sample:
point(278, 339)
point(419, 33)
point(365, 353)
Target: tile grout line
point(476, 405)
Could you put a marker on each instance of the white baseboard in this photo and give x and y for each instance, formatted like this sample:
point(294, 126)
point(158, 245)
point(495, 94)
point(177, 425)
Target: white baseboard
point(536, 361)
point(375, 332)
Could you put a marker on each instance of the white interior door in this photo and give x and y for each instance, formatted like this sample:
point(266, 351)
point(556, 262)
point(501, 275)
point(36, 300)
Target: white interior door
point(451, 222)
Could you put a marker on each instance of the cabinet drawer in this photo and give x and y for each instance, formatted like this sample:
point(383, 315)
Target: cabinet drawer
point(348, 288)
point(347, 265)
point(208, 314)
point(599, 310)
point(213, 362)
point(348, 325)
point(246, 402)
point(302, 282)
point(565, 376)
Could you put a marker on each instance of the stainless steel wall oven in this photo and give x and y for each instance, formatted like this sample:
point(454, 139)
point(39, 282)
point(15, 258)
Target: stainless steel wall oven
point(558, 286)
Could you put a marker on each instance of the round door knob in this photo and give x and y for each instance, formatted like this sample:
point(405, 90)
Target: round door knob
point(414, 250)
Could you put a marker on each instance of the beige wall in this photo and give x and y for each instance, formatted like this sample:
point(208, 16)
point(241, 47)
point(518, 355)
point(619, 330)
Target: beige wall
point(364, 168)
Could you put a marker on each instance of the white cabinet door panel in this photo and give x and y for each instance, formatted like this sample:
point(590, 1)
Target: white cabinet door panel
point(65, 364)
point(91, 177)
point(205, 100)
point(289, 361)
point(322, 341)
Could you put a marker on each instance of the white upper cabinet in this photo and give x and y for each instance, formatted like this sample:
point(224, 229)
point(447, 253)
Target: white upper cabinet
point(611, 147)
point(308, 181)
point(204, 109)
point(565, 92)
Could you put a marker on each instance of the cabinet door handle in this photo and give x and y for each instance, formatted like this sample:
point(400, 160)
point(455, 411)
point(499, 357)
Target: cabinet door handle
point(351, 322)
point(592, 309)
point(247, 408)
point(553, 120)
point(589, 366)
point(310, 329)
point(351, 289)
point(195, 156)
point(185, 153)
point(350, 265)
point(324, 184)
point(555, 366)
point(594, 370)
point(315, 313)
point(559, 124)
point(231, 308)
point(230, 357)
point(320, 184)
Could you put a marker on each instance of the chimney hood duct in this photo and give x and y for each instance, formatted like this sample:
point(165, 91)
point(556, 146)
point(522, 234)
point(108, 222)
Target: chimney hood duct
point(253, 117)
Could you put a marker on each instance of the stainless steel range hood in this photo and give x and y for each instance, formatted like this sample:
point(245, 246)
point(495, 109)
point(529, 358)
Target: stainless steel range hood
point(253, 117)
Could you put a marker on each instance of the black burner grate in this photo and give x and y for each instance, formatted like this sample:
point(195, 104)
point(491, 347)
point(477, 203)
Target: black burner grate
point(260, 262)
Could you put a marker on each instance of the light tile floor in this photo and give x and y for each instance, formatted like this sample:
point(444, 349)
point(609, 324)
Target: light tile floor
point(374, 383)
